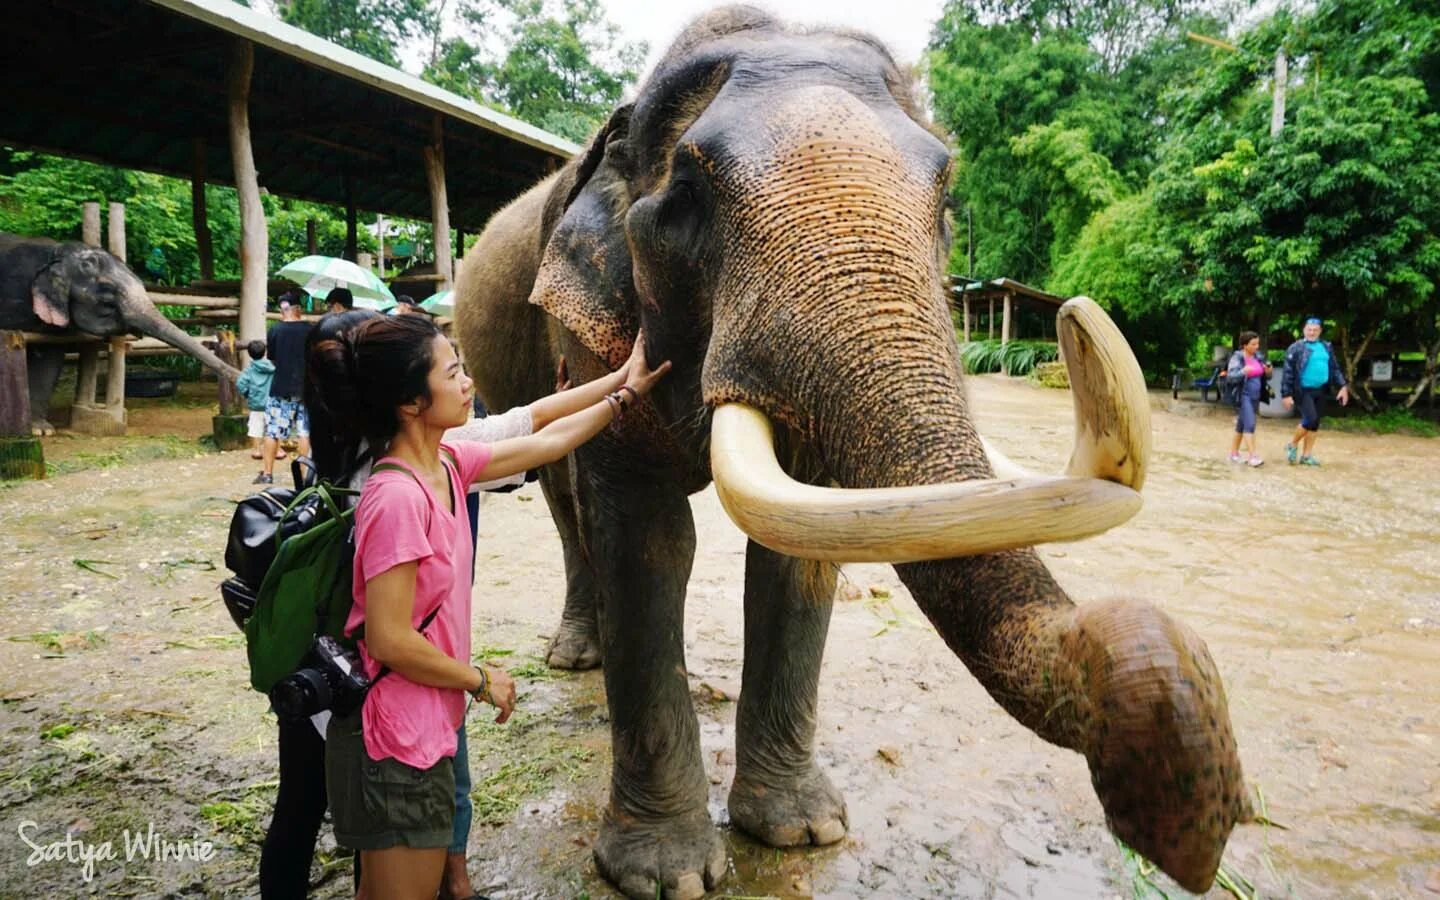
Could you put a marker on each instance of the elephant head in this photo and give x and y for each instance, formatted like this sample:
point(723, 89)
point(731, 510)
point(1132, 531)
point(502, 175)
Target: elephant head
point(92, 291)
point(771, 209)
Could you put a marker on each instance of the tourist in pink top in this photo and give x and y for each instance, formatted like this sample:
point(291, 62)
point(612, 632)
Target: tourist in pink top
point(1245, 377)
point(388, 771)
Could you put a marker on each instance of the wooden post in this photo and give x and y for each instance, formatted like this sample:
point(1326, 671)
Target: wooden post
point(352, 242)
point(90, 223)
point(1005, 334)
point(364, 260)
point(254, 240)
point(310, 237)
point(439, 204)
point(199, 214)
point(88, 375)
point(1277, 101)
point(229, 427)
point(115, 380)
point(21, 454)
point(990, 321)
point(116, 231)
point(380, 240)
point(965, 318)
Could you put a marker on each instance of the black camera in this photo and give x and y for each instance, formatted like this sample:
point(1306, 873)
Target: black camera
point(332, 679)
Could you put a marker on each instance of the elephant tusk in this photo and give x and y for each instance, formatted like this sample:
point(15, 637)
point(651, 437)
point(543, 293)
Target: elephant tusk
point(1112, 410)
point(923, 522)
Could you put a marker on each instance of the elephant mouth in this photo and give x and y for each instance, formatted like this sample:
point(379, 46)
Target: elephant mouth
point(1099, 490)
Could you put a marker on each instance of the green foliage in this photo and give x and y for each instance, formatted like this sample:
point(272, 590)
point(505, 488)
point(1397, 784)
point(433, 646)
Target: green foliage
point(375, 28)
point(1391, 421)
point(1016, 358)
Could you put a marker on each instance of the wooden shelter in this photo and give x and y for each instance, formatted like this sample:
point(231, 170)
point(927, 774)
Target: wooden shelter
point(215, 92)
point(1012, 295)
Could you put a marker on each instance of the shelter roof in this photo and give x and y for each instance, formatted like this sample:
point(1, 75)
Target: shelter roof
point(141, 84)
point(1002, 287)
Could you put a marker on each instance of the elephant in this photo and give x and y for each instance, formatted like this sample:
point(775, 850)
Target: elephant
point(52, 287)
point(769, 212)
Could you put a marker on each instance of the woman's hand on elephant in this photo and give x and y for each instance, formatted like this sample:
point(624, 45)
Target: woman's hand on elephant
point(638, 374)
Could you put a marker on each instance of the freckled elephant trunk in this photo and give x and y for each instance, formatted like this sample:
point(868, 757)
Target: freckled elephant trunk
point(149, 321)
point(872, 384)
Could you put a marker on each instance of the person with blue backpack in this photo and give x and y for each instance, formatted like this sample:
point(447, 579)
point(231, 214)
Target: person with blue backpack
point(1311, 367)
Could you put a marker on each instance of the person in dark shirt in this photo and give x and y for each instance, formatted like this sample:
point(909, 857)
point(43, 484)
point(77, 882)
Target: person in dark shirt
point(285, 413)
point(340, 300)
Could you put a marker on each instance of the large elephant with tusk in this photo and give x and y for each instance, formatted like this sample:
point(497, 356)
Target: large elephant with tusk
point(771, 210)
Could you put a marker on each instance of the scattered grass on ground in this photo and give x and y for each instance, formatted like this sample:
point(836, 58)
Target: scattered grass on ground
point(523, 759)
point(61, 641)
point(132, 451)
point(241, 814)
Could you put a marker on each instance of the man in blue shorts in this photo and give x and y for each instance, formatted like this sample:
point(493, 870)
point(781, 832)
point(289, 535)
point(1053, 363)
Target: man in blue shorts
point(285, 413)
point(1310, 369)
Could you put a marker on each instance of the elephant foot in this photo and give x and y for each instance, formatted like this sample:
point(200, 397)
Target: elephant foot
point(41, 428)
point(679, 858)
point(789, 813)
point(1158, 740)
point(576, 645)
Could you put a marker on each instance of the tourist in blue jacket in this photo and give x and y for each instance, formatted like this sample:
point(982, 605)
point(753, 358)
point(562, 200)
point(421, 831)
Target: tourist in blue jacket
point(1310, 368)
point(254, 386)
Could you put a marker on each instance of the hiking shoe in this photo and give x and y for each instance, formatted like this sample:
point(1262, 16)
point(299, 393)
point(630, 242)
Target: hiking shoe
point(262, 478)
point(1290, 453)
point(1255, 462)
point(1309, 461)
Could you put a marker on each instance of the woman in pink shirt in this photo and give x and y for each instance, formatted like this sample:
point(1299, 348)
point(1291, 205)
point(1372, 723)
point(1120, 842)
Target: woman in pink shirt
point(1246, 375)
point(388, 771)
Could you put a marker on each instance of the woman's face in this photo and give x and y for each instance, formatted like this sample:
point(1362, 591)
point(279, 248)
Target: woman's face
point(450, 387)
point(1253, 347)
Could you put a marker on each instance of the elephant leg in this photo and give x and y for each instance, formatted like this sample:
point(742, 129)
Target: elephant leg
point(656, 837)
point(576, 643)
point(780, 796)
point(43, 363)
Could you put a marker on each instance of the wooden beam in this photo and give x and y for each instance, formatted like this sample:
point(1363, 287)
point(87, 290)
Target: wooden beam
point(965, 318)
point(254, 240)
point(990, 322)
point(434, 154)
point(115, 226)
point(199, 213)
point(115, 377)
point(352, 241)
point(90, 223)
point(14, 387)
point(87, 375)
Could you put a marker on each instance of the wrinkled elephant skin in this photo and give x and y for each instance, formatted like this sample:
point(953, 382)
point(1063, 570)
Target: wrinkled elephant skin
point(770, 209)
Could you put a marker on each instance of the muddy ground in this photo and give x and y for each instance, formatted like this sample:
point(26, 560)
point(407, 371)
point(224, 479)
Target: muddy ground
point(125, 701)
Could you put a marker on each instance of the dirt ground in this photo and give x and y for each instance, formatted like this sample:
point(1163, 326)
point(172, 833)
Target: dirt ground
point(125, 701)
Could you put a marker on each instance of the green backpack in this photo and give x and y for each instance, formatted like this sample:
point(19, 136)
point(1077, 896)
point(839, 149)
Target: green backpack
point(308, 590)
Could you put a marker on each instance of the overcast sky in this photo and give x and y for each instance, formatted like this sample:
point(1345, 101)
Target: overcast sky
point(902, 24)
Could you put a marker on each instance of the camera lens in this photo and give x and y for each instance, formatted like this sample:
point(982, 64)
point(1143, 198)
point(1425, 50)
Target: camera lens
point(302, 694)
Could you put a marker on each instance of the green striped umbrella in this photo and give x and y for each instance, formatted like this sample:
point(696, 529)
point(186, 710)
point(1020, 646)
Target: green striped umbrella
point(441, 304)
point(319, 275)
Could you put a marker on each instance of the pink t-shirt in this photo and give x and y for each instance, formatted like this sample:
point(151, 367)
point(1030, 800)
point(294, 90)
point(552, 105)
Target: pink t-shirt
point(1253, 367)
point(399, 520)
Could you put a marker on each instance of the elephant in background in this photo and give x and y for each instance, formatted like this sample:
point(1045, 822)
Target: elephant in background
point(771, 210)
point(53, 287)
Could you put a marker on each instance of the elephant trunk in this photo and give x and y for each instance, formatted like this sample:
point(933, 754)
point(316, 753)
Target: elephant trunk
point(149, 321)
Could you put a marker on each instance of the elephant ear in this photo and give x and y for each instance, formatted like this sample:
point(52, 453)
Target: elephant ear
point(50, 295)
point(585, 279)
